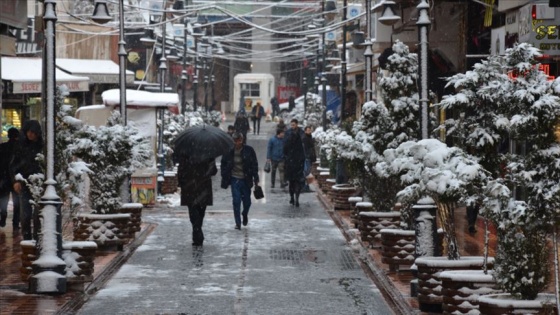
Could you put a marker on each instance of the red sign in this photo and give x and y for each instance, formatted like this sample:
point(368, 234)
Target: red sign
point(284, 93)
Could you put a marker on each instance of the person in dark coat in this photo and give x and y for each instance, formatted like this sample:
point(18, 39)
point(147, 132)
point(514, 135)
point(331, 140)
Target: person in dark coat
point(241, 124)
point(275, 106)
point(240, 169)
point(291, 103)
point(6, 187)
point(294, 160)
point(195, 180)
point(23, 165)
point(257, 114)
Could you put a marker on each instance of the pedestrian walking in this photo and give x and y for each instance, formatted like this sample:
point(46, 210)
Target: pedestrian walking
point(291, 102)
point(23, 165)
point(275, 155)
point(195, 180)
point(256, 114)
point(294, 157)
point(294, 128)
point(230, 130)
point(281, 125)
point(241, 124)
point(275, 106)
point(240, 169)
point(6, 185)
point(310, 155)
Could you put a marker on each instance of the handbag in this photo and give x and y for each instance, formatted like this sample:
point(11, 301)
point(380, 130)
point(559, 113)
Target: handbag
point(258, 192)
point(267, 166)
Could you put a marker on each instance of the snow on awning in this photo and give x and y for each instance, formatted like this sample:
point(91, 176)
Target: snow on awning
point(136, 98)
point(98, 71)
point(26, 76)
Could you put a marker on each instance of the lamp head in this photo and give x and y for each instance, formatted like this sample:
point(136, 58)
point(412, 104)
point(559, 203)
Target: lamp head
point(388, 17)
point(101, 12)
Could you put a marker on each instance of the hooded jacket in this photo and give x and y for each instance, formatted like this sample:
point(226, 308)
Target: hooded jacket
point(26, 152)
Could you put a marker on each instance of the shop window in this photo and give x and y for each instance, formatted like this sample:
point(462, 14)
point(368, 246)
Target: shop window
point(11, 117)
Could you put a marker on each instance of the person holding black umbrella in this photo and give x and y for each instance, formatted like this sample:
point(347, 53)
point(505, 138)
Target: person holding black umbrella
point(240, 169)
point(195, 180)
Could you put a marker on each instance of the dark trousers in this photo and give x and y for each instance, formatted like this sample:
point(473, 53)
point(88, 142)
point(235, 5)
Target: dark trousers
point(27, 215)
point(196, 215)
point(240, 191)
point(4, 199)
point(295, 188)
point(277, 165)
point(256, 125)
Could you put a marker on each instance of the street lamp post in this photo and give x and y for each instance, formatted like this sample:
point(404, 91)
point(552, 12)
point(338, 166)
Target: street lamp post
point(162, 73)
point(213, 79)
point(304, 95)
point(196, 34)
point(48, 269)
point(101, 15)
point(343, 63)
point(423, 24)
point(184, 76)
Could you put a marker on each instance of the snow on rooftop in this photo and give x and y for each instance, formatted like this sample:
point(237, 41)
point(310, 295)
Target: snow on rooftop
point(18, 69)
point(141, 98)
point(93, 66)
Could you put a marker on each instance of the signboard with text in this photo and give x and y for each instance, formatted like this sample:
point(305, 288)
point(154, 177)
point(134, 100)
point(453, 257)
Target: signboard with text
point(539, 25)
point(35, 87)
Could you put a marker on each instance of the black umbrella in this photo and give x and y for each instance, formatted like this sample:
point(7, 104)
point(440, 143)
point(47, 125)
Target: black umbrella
point(202, 142)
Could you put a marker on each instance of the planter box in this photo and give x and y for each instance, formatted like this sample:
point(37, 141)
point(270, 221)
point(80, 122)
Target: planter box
point(373, 222)
point(430, 296)
point(340, 194)
point(106, 230)
point(354, 215)
point(78, 256)
point(462, 288)
point(327, 187)
point(170, 183)
point(135, 211)
point(322, 178)
point(398, 247)
point(503, 303)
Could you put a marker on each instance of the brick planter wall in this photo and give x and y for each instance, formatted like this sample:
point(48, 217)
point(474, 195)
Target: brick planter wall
point(397, 247)
point(79, 258)
point(340, 194)
point(28, 255)
point(135, 211)
point(170, 183)
point(354, 216)
point(461, 289)
point(372, 222)
point(106, 230)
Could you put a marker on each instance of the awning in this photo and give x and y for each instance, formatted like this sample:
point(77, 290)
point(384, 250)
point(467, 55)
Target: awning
point(26, 76)
point(141, 98)
point(98, 71)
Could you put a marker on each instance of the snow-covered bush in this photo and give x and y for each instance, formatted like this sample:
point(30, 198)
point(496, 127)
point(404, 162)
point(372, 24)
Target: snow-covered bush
point(430, 168)
point(112, 152)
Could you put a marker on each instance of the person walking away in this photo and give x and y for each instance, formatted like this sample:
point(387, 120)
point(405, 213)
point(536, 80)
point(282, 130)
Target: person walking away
point(23, 165)
point(291, 102)
point(195, 180)
point(240, 169)
point(310, 155)
point(241, 124)
point(257, 113)
point(6, 185)
point(275, 106)
point(281, 124)
point(275, 155)
point(294, 157)
point(230, 130)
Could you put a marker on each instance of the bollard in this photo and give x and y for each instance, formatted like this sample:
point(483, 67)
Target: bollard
point(426, 228)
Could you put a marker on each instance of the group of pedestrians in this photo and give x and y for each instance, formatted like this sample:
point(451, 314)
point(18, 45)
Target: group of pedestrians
point(290, 151)
point(18, 161)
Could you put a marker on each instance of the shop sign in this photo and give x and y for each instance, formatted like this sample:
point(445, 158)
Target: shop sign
point(542, 67)
point(35, 87)
point(543, 33)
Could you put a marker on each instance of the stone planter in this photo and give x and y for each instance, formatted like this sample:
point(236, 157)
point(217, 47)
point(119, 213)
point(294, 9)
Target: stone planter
point(430, 296)
point(327, 187)
point(106, 230)
point(170, 182)
point(135, 211)
point(398, 247)
point(28, 256)
point(79, 258)
point(504, 303)
point(462, 288)
point(362, 206)
point(372, 222)
point(322, 178)
point(354, 216)
point(340, 194)
point(318, 170)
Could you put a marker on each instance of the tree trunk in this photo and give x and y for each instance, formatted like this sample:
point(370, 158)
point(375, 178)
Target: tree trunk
point(447, 214)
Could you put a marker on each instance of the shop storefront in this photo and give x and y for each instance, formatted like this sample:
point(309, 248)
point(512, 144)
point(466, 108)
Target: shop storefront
point(21, 96)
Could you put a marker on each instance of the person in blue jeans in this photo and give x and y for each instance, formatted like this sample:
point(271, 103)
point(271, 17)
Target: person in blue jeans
point(240, 169)
point(275, 154)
